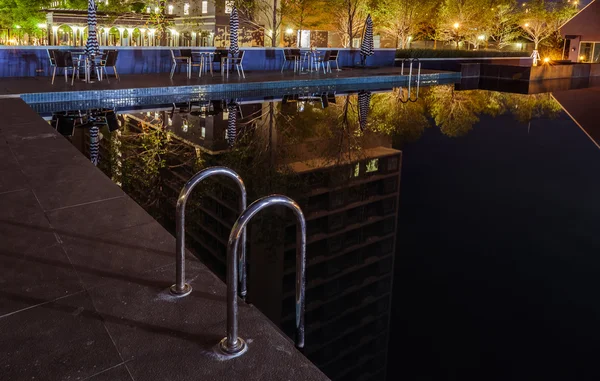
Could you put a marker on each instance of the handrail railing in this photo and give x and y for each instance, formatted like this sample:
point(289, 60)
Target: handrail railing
point(418, 79)
point(232, 345)
point(181, 288)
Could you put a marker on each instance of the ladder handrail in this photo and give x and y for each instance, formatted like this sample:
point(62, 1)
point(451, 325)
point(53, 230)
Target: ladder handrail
point(232, 345)
point(418, 79)
point(180, 288)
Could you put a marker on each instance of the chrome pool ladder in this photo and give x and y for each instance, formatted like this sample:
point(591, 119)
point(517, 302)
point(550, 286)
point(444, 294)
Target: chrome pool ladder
point(411, 61)
point(181, 288)
point(232, 345)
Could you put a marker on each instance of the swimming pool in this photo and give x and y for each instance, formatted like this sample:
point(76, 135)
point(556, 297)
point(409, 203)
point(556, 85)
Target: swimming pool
point(480, 265)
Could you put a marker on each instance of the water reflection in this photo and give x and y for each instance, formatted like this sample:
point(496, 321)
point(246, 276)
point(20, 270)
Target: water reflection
point(338, 157)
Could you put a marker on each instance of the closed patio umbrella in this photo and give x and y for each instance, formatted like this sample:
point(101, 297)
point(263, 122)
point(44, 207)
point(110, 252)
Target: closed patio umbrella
point(91, 46)
point(366, 47)
point(234, 26)
point(364, 101)
point(94, 144)
point(232, 123)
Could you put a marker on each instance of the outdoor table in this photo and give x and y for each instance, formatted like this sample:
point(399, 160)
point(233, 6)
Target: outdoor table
point(205, 58)
point(311, 57)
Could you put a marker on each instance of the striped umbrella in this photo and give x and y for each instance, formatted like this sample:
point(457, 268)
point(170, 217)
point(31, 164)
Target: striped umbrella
point(364, 101)
point(232, 123)
point(94, 144)
point(366, 47)
point(234, 26)
point(91, 47)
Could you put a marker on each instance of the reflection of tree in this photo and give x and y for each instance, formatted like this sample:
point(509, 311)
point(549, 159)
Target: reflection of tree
point(528, 107)
point(454, 112)
point(404, 121)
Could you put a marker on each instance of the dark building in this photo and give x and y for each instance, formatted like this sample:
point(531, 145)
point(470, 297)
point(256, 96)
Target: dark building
point(582, 34)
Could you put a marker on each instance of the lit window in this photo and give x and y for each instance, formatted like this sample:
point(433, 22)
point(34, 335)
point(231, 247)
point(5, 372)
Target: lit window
point(228, 6)
point(205, 7)
point(356, 171)
point(225, 115)
point(203, 132)
point(186, 9)
point(170, 9)
point(373, 165)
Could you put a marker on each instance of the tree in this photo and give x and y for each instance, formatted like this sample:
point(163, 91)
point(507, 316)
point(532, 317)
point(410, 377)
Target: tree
point(464, 20)
point(264, 15)
point(305, 14)
point(504, 28)
point(401, 19)
point(541, 20)
point(348, 18)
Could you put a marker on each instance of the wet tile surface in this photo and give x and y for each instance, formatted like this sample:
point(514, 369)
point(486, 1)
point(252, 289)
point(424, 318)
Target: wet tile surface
point(35, 277)
point(65, 339)
point(121, 254)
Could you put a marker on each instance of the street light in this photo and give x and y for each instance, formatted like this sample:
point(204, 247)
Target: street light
point(526, 25)
point(456, 25)
point(481, 38)
point(289, 31)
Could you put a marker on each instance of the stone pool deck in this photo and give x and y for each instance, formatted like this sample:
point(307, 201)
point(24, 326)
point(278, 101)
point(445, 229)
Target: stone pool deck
point(84, 276)
point(39, 89)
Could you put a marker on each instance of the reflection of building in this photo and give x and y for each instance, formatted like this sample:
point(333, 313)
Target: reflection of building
point(350, 203)
point(582, 33)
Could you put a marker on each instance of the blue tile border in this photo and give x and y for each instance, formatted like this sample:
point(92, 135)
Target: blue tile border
point(200, 91)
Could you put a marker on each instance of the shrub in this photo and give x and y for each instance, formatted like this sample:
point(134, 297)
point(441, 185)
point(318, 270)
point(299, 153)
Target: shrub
point(453, 53)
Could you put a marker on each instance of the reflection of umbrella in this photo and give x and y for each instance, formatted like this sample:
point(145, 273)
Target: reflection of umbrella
point(232, 123)
point(94, 144)
point(234, 26)
point(364, 101)
point(366, 47)
point(91, 47)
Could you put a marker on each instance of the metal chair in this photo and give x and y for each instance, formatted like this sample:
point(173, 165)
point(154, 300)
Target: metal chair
point(109, 59)
point(288, 58)
point(180, 60)
point(320, 60)
point(238, 62)
point(333, 56)
point(195, 60)
point(63, 60)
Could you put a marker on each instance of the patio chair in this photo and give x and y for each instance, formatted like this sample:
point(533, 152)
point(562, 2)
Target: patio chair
point(238, 62)
point(63, 60)
point(320, 60)
point(333, 56)
point(288, 58)
point(109, 59)
point(179, 60)
point(218, 59)
point(195, 60)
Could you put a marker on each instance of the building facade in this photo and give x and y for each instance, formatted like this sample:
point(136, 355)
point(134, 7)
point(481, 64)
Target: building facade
point(582, 35)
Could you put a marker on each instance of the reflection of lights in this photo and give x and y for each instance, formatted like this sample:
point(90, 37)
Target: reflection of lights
point(156, 9)
point(156, 116)
point(526, 25)
point(519, 45)
point(481, 38)
point(269, 32)
point(184, 126)
point(151, 30)
point(409, 38)
point(174, 32)
point(169, 121)
point(148, 9)
point(170, 9)
point(546, 59)
point(456, 25)
point(148, 114)
point(18, 26)
point(581, 58)
point(289, 31)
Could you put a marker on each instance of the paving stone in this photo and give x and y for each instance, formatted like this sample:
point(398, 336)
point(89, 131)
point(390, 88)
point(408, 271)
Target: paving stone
point(60, 340)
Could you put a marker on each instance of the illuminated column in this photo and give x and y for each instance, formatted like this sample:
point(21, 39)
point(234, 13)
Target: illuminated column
point(121, 30)
point(54, 35)
point(129, 36)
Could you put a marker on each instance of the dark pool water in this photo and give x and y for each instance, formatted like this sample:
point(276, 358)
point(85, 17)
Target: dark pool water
point(494, 262)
